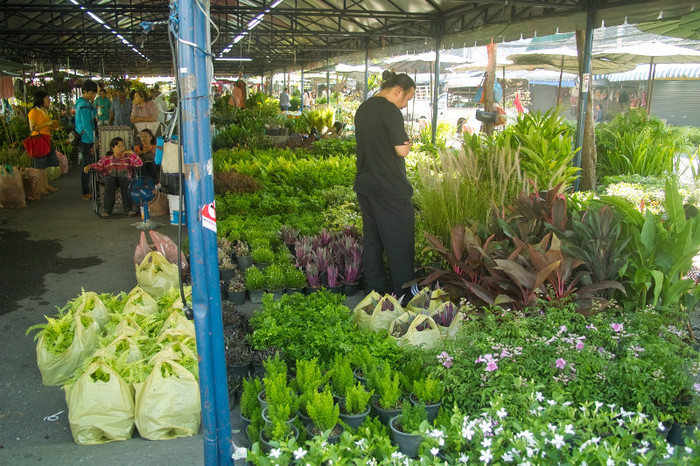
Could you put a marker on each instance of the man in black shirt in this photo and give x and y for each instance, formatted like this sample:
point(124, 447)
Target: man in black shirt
point(382, 187)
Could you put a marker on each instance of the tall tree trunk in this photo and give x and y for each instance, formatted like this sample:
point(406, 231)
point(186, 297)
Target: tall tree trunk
point(489, 104)
point(589, 156)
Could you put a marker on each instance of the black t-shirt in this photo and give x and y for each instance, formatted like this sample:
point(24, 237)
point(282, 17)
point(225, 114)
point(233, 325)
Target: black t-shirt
point(380, 171)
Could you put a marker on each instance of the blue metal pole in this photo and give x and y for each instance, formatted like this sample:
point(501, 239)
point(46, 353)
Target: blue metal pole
point(195, 137)
point(586, 83)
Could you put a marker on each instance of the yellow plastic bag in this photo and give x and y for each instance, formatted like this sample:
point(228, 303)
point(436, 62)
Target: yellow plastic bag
point(386, 310)
point(425, 302)
point(56, 368)
point(121, 344)
point(448, 319)
point(140, 302)
point(167, 403)
point(93, 306)
point(364, 309)
point(177, 320)
point(155, 275)
point(100, 406)
point(415, 329)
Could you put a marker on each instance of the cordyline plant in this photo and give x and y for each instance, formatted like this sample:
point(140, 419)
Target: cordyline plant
point(332, 275)
point(288, 234)
point(313, 275)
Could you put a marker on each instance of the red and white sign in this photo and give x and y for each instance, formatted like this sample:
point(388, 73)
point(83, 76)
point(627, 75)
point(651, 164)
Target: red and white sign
point(209, 217)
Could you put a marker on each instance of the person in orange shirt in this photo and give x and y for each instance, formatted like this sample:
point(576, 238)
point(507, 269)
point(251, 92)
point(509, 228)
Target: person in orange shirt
point(41, 123)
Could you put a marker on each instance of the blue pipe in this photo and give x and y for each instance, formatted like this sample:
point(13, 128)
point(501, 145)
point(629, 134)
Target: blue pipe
point(206, 296)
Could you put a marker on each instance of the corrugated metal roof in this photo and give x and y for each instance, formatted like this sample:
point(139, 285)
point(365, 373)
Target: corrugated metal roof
point(663, 71)
point(293, 34)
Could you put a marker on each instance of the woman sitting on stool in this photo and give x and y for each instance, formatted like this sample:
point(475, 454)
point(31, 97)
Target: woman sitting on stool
point(116, 168)
point(147, 151)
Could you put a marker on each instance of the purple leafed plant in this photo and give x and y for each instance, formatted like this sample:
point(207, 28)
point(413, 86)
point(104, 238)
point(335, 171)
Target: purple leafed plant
point(322, 257)
point(302, 252)
point(387, 305)
point(325, 237)
point(446, 315)
point(332, 276)
point(313, 276)
point(289, 234)
point(352, 272)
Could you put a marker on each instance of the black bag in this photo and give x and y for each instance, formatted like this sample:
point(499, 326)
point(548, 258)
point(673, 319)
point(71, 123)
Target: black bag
point(74, 137)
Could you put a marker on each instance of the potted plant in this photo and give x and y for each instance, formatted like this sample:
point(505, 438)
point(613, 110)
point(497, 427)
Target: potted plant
point(364, 362)
point(405, 429)
point(332, 277)
point(295, 280)
point(275, 280)
point(282, 401)
point(276, 432)
point(289, 236)
point(386, 383)
point(237, 353)
point(236, 288)
point(355, 407)
point(342, 377)
point(429, 392)
point(262, 256)
point(242, 252)
point(351, 276)
point(226, 269)
point(255, 283)
point(249, 400)
point(313, 277)
point(324, 415)
point(309, 380)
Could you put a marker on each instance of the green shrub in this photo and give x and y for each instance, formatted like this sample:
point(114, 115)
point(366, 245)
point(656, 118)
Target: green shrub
point(323, 411)
point(275, 277)
point(342, 376)
point(357, 398)
point(411, 417)
point(254, 279)
point(428, 390)
point(249, 397)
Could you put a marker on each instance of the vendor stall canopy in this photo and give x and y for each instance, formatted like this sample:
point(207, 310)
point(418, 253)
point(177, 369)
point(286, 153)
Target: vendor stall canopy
point(111, 37)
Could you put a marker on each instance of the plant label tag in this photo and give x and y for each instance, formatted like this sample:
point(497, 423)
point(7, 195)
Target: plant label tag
point(209, 217)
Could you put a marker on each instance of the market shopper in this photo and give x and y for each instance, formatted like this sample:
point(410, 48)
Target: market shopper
point(102, 104)
point(285, 102)
point(144, 113)
point(41, 123)
point(120, 111)
point(147, 152)
point(382, 188)
point(85, 115)
point(116, 169)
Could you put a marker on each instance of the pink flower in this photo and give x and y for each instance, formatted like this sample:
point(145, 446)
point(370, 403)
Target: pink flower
point(445, 359)
point(591, 327)
point(561, 363)
point(579, 345)
point(490, 367)
point(696, 387)
point(617, 327)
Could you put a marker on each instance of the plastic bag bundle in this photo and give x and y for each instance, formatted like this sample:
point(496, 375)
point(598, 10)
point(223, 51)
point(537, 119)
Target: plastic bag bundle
point(56, 368)
point(167, 403)
point(177, 321)
point(11, 188)
point(386, 310)
point(93, 306)
point(448, 318)
point(139, 302)
point(364, 309)
point(31, 179)
point(156, 275)
point(415, 329)
point(100, 406)
point(425, 302)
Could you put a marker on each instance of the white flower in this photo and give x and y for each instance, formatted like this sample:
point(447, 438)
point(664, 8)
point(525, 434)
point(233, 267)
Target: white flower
point(569, 429)
point(595, 440)
point(529, 452)
point(486, 443)
point(539, 396)
point(467, 433)
point(397, 455)
point(642, 451)
point(502, 413)
point(661, 427)
point(551, 402)
point(534, 412)
point(498, 431)
point(598, 404)
point(558, 441)
point(486, 456)
point(566, 403)
point(507, 457)
point(299, 454)
point(463, 458)
point(361, 443)
point(275, 453)
point(552, 427)
point(434, 451)
point(435, 433)
point(612, 406)
point(582, 408)
point(688, 450)
point(610, 462)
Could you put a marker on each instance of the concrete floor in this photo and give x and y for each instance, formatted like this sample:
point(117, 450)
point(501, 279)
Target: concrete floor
point(49, 251)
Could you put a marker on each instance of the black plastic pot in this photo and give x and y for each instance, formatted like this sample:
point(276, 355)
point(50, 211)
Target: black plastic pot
point(408, 443)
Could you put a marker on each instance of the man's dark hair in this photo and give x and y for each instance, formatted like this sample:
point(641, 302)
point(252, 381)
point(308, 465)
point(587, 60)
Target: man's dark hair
point(89, 86)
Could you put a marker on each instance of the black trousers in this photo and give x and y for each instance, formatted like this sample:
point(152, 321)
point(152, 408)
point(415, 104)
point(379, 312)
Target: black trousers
point(88, 158)
point(388, 227)
point(111, 183)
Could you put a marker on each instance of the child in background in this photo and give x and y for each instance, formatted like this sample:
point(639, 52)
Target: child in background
point(116, 168)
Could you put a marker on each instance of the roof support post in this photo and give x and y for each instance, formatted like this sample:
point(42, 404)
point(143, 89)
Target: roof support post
point(194, 86)
point(435, 91)
point(585, 80)
point(302, 89)
point(366, 86)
